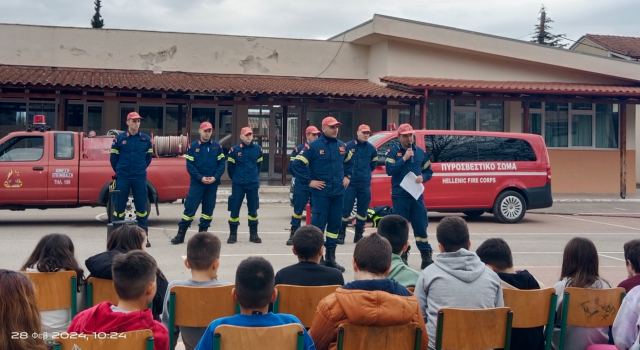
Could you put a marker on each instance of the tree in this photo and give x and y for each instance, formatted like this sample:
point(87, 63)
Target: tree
point(542, 34)
point(96, 21)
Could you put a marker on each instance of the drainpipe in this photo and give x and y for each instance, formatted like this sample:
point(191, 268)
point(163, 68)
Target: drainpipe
point(623, 150)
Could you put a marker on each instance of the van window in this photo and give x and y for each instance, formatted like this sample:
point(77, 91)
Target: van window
point(504, 149)
point(63, 145)
point(451, 148)
point(22, 149)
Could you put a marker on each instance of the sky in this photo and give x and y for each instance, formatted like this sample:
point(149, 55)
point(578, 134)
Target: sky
point(315, 19)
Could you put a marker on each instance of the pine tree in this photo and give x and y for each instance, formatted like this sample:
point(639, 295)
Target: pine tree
point(542, 34)
point(96, 21)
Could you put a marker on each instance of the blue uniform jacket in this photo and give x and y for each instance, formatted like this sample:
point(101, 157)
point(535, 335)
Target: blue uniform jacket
point(131, 154)
point(328, 160)
point(205, 159)
point(299, 182)
point(397, 167)
point(243, 164)
point(365, 159)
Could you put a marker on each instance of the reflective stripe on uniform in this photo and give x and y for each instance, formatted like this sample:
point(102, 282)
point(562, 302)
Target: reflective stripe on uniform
point(187, 217)
point(374, 159)
point(426, 165)
point(362, 218)
point(206, 217)
point(234, 219)
point(296, 216)
point(220, 156)
point(349, 155)
point(118, 215)
point(252, 218)
point(331, 234)
point(422, 239)
point(303, 159)
point(143, 214)
point(391, 160)
point(115, 151)
point(259, 160)
point(231, 160)
point(150, 150)
point(189, 157)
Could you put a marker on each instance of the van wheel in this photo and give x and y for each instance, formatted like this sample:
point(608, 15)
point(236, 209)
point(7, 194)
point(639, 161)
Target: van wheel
point(509, 207)
point(473, 214)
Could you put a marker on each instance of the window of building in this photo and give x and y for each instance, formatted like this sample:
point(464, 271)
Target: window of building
point(152, 122)
point(478, 115)
point(575, 125)
point(13, 116)
point(439, 115)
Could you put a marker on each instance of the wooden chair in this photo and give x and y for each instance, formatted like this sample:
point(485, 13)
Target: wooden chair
point(301, 301)
point(401, 337)
point(473, 329)
point(285, 337)
point(198, 306)
point(134, 340)
point(99, 290)
point(55, 290)
point(533, 308)
point(588, 307)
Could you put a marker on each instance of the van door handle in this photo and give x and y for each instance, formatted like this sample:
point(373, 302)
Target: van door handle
point(38, 168)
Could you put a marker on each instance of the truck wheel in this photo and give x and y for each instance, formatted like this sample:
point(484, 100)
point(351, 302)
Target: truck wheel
point(473, 214)
point(509, 207)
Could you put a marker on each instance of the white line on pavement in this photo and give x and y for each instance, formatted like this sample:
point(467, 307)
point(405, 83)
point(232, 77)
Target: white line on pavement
point(611, 257)
point(598, 222)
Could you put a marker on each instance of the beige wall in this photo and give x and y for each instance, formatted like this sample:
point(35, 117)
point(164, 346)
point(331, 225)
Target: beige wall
point(587, 46)
point(130, 49)
point(570, 173)
point(637, 121)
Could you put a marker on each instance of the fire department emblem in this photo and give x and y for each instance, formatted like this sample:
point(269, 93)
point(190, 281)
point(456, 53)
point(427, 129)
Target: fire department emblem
point(13, 179)
point(341, 150)
point(321, 152)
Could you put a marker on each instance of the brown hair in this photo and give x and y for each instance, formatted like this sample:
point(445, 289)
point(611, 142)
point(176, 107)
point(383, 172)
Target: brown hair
point(18, 312)
point(202, 250)
point(580, 263)
point(373, 254)
point(54, 252)
point(126, 238)
point(632, 254)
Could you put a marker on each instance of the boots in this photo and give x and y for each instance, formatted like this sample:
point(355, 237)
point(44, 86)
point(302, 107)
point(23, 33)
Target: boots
point(427, 258)
point(233, 234)
point(359, 232)
point(330, 259)
point(343, 232)
point(253, 234)
point(290, 240)
point(179, 238)
point(203, 228)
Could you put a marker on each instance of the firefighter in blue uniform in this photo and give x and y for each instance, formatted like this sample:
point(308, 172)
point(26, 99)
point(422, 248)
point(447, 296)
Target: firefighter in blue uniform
point(326, 165)
point(243, 163)
point(131, 154)
point(365, 159)
point(205, 164)
point(301, 190)
point(402, 159)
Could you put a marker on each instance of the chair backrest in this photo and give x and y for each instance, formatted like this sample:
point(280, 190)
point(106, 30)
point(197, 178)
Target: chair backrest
point(198, 306)
point(301, 301)
point(473, 329)
point(532, 308)
point(55, 290)
point(99, 290)
point(285, 337)
point(400, 337)
point(589, 307)
point(134, 340)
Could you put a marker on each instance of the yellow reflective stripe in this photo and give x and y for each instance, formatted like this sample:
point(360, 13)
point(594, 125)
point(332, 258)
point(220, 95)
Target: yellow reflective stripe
point(422, 239)
point(187, 217)
point(231, 160)
point(189, 157)
point(150, 150)
point(349, 155)
point(303, 159)
point(363, 218)
point(119, 215)
point(221, 156)
point(374, 159)
point(234, 219)
point(426, 165)
point(206, 217)
point(371, 211)
point(296, 216)
point(143, 214)
point(115, 151)
point(252, 218)
point(331, 234)
point(391, 160)
point(292, 158)
point(259, 160)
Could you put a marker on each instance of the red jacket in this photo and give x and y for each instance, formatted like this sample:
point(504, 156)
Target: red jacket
point(101, 318)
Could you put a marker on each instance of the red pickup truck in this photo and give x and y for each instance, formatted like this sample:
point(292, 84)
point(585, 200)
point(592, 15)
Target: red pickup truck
point(64, 169)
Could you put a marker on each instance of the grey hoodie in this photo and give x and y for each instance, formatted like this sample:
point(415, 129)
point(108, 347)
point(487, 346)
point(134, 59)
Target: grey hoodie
point(458, 279)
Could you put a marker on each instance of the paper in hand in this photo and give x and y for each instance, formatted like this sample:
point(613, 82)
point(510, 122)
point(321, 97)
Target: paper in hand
point(409, 184)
